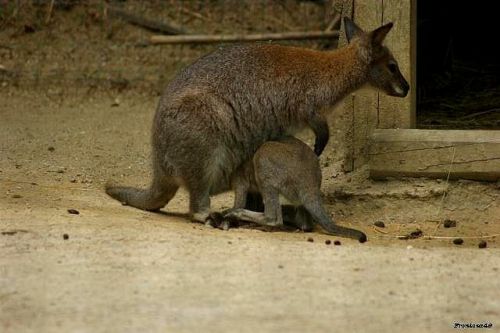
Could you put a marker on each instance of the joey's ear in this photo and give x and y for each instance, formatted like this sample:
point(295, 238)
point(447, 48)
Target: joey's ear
point(378, 35)
point(351, 29)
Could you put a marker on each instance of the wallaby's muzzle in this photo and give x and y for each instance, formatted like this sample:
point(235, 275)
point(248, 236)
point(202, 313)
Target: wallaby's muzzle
point(400, 89)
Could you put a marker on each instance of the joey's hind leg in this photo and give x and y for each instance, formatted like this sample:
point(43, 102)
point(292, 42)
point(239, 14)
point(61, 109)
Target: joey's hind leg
point(298, 217)
point(272, 215)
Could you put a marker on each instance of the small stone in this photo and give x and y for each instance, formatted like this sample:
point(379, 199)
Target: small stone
point(51, 149)
point(229, 242)
point(310, 239)
point(73, 211)
point(416, 234)
point(449, 223)
point(458, 241)
point(65, 236)
point(328, 242)
point(337, 242)
point(482, 244)
point(16, 196)
point(379, 224)
point(280, 266)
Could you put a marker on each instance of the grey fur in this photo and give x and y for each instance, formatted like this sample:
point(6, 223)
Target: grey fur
point(290, 168)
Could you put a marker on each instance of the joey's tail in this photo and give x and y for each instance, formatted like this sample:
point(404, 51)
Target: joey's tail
point(153, 198)
point(321, 216)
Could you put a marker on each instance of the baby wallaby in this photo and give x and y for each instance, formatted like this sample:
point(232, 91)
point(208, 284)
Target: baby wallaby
point(216, 113)
point(290, 168)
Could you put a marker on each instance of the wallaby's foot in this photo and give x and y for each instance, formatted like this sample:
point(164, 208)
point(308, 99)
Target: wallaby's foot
point(200, 217)
point(220, 221)
point(250, 216)
point(214, 220)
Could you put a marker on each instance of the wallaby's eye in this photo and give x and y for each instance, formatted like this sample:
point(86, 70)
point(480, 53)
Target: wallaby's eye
point(393, 68)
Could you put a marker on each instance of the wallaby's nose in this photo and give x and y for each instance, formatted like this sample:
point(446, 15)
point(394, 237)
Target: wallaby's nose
point(404, 88)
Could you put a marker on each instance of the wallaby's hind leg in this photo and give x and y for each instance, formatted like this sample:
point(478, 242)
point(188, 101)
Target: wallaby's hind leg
point(161, 191)
point(199, 202)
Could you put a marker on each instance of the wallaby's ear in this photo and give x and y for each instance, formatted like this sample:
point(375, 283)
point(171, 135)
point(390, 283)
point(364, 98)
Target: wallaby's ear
point(351, 29)
point(378, 35)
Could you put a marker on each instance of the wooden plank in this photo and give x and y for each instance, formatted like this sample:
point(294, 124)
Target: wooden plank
point(400, 112)
point(342, 122)
point(468, 154)
point(368, 15)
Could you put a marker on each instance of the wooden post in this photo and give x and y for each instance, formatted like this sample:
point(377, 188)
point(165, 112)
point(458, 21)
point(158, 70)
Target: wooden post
point(371, 109)
point(400, 112)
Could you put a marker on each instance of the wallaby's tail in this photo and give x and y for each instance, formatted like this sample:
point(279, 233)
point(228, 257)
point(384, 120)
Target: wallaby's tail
point(319, 215)
point(153, 198)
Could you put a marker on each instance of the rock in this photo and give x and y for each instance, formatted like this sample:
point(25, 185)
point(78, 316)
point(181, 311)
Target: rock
point(449, 223)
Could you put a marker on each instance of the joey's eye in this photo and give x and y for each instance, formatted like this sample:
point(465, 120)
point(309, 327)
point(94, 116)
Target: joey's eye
point(393, 68)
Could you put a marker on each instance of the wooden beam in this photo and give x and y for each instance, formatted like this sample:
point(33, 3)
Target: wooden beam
point(184, 39)
point(368, 14)
point(467, 154)
point(167, 28)
point(400, 112)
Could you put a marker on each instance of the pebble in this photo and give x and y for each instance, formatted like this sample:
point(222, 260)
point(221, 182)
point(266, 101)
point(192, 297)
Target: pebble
point(449, 223)
point(328, 242)
point(73, 211)
point(379, 224)
point(65, 236)
point(482, 244)
point(337, 242)
point(51, 148)
point(310, 239)
point(17, 196)
point(458, 241)
point(416, 234)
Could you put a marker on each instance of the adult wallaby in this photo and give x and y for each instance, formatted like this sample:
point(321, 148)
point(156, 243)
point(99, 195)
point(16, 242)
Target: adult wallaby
point(216, 112)
point(290, 168)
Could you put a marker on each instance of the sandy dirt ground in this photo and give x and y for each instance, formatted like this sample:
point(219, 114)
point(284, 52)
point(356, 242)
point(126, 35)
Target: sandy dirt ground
point(113, 268)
